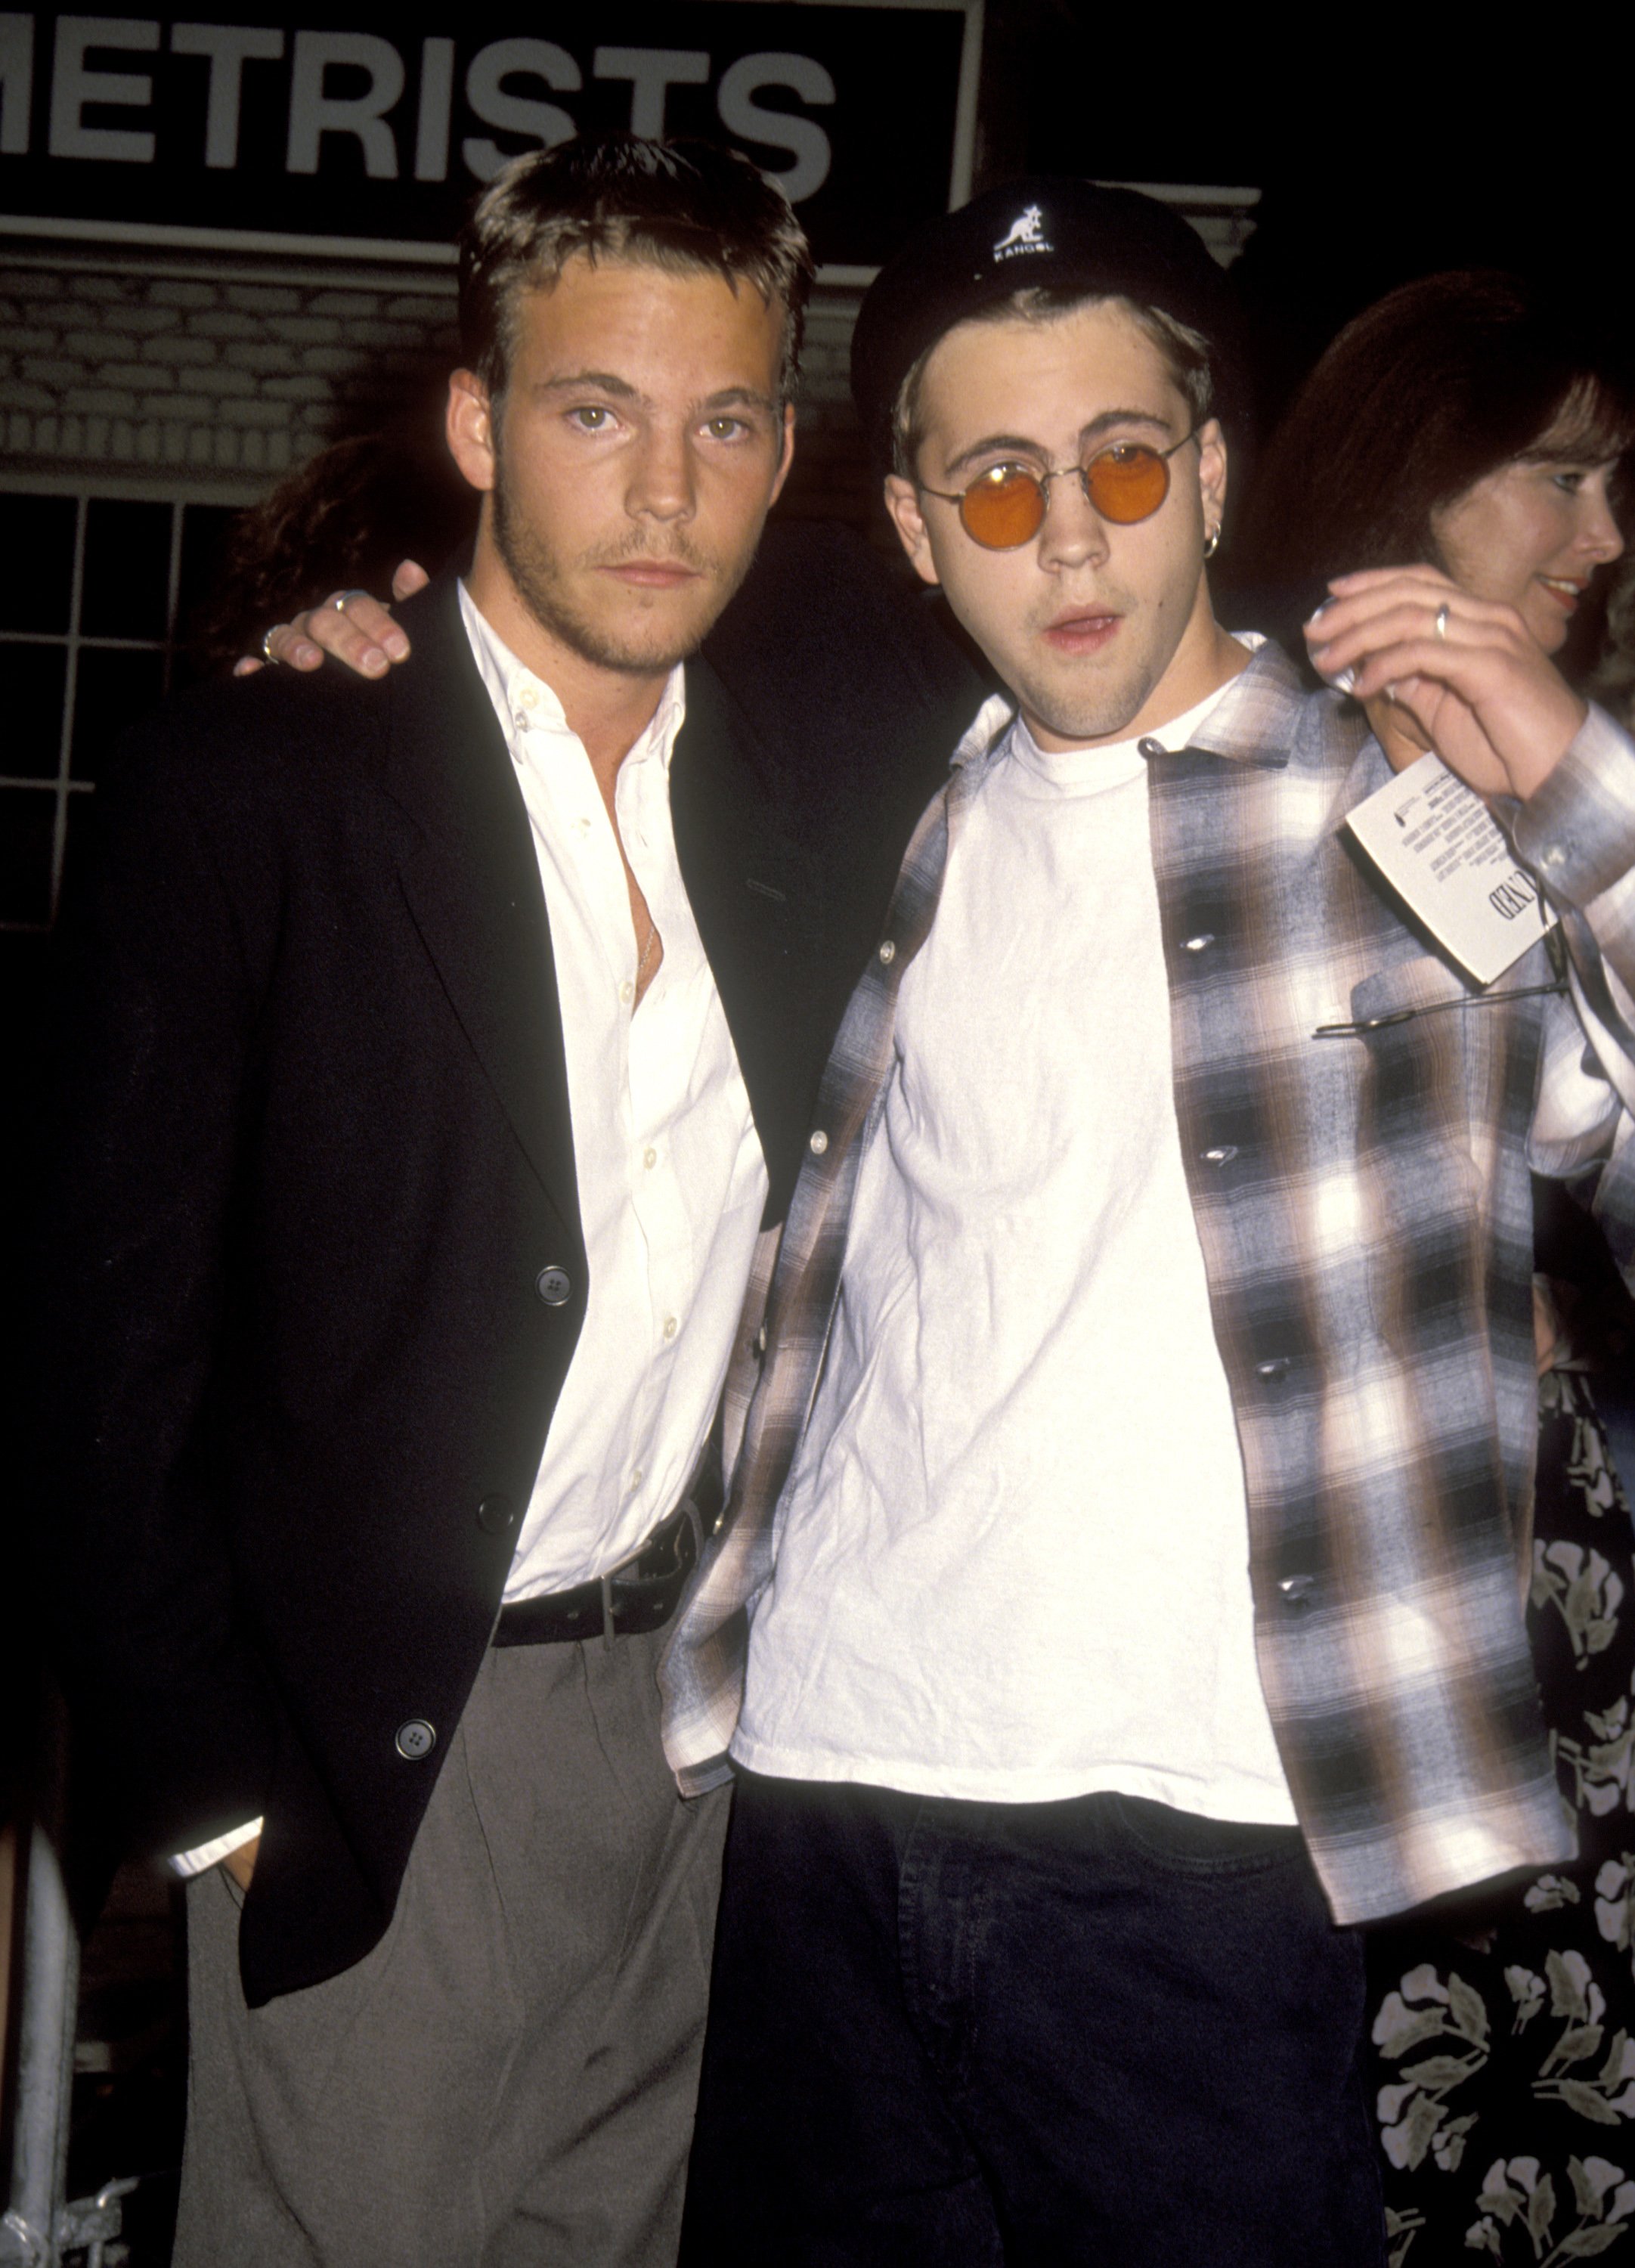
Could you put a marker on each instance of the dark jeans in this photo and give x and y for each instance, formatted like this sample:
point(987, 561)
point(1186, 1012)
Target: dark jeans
point(951, 2035)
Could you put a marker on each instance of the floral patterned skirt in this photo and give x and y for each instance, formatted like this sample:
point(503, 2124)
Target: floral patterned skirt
point(1504, 2035)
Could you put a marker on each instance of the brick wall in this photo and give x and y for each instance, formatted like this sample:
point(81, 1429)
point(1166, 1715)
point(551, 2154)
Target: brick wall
point(227, 374)
point(205, 369)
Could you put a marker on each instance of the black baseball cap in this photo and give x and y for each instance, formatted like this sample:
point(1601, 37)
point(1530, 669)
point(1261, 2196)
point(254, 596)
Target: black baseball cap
point(1051, 232)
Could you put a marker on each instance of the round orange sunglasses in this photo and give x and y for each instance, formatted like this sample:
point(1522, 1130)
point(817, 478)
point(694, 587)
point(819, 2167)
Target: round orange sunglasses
point(1005, 505)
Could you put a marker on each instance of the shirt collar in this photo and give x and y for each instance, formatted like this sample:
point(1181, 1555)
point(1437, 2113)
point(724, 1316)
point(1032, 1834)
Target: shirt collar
point(518, 694)
point(1259, 714)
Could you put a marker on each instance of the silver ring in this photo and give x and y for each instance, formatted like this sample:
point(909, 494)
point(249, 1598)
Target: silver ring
point(267, 638)
point(339, 601)
point(1441, 621)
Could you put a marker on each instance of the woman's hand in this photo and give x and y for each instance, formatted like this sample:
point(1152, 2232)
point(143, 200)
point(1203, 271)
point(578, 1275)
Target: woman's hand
point(1466, 671)
point(349, 624)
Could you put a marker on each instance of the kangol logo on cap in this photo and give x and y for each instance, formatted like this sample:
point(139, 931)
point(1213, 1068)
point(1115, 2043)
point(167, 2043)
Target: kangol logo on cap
point(1026, 233)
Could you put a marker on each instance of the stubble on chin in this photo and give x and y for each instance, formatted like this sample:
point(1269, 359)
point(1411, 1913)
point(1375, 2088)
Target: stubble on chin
point(1085, 698)
point(1087, 711)
point(544, 583)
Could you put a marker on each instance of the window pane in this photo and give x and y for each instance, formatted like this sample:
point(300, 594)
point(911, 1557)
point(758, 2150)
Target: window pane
point(28, 816)
point(127, 586)
point(32, 678)
point(36, 562)
point(115, 688)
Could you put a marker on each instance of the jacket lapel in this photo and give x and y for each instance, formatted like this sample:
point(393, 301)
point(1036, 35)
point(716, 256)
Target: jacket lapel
point(472, 882)
point(755, 895)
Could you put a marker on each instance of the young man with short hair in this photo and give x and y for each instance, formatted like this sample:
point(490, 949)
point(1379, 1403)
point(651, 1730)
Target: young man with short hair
point(1116, 1598)
point(437, 1054)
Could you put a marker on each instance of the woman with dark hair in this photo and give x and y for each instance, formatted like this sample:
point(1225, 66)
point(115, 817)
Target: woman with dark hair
point(1445, 479)
point(1442, 389)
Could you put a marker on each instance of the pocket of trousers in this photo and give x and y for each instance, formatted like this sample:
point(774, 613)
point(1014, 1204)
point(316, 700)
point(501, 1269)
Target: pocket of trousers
point(1187, 1844)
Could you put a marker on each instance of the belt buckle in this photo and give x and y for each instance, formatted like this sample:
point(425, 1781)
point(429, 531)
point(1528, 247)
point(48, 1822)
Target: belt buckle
point(684, 1519)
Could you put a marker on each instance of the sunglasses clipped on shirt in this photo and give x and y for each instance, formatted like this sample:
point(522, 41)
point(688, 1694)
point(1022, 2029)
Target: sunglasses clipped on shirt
point(1005, 505)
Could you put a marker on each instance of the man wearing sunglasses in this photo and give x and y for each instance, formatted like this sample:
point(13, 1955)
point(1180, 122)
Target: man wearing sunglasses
point(1116, 1598)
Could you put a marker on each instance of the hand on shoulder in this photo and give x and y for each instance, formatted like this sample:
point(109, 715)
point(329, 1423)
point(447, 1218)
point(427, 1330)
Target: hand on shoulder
point(351, 626)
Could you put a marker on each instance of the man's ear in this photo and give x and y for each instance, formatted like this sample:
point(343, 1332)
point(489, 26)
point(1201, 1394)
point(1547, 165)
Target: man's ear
point(1212, 473)
point(469, 424)
point(903, 503)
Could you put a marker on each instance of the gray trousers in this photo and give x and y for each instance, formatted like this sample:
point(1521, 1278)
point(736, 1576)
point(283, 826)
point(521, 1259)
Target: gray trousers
point(508, 2080)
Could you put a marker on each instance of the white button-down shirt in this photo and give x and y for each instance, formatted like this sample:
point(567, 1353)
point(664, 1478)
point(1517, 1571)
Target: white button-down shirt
point(671, 1180)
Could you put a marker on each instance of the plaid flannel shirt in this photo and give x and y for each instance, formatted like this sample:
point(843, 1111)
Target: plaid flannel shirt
point(1363, 1206)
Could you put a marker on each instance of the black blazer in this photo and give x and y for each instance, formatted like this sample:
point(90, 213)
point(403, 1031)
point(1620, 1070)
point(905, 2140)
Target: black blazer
point(313, 1159)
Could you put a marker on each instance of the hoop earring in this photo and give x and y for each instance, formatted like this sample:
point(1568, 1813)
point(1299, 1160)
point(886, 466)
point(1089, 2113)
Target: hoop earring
point(1212, 543)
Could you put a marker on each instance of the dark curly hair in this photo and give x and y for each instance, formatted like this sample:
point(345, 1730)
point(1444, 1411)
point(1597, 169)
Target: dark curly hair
point(343, 520)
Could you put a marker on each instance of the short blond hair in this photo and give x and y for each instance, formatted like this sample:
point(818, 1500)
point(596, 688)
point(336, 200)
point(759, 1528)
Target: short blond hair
point(681, 206)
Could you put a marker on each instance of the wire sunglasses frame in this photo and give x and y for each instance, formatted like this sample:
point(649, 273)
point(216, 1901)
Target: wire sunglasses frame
point(1005, 506)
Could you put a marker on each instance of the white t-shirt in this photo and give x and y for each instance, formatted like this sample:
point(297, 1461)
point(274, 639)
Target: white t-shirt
point(1014, 1562)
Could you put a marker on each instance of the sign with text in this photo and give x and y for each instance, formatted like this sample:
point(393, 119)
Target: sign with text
point(354, 129)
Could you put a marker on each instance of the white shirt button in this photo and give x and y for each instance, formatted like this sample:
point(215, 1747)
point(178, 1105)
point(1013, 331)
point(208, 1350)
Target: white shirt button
point(528, 696)
point(817, 1142)
point(627, 991)
point(650, 1159)
point(636, 1478)
point(671, 1326)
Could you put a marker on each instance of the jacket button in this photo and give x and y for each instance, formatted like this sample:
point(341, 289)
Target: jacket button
point(1201, 943)
point(1222, 1155)
point(496, 1515)
point(1277, 1368)
point(1297, 1592)
point(415, 1738)
point(554, 1287)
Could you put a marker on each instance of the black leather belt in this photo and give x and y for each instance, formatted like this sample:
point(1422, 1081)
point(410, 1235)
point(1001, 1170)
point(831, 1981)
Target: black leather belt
point(640, 1593)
